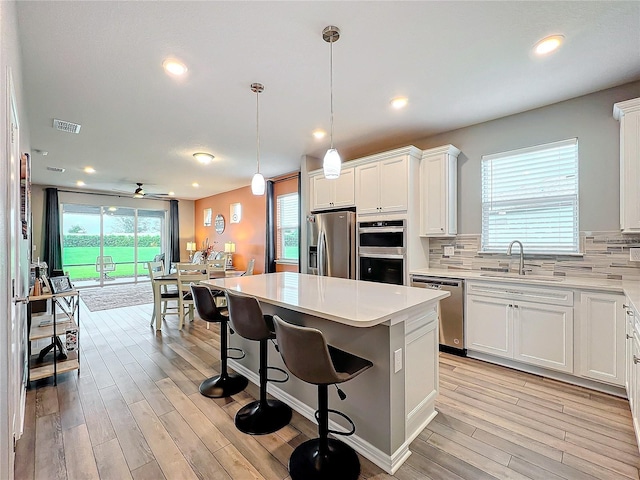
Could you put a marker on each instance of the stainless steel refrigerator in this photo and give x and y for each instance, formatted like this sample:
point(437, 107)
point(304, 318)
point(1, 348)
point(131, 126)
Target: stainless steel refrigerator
point(332, 244)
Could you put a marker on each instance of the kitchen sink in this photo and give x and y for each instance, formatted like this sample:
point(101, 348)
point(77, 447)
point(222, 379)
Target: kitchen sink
point(523, 278)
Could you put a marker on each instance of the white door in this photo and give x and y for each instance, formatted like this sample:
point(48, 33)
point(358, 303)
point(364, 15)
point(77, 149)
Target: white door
point(489, 326)
point(435, 196)
point(368, 188)
point(344, 186)
point(13, 332)
point(321, 189)
point(393, 184)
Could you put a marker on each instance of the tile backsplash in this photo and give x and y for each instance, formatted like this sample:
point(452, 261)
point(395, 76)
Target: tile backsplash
point(605, 255)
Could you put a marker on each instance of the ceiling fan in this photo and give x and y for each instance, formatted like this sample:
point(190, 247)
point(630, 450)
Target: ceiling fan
point(140, 193)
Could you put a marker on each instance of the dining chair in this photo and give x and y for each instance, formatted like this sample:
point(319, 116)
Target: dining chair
point(156, 269)
point(188, 273)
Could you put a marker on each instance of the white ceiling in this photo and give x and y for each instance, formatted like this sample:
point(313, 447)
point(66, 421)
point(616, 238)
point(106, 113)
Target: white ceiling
point(99, 64)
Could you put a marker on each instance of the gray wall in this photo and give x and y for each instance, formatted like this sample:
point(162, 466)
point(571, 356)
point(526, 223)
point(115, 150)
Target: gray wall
point(589, 118)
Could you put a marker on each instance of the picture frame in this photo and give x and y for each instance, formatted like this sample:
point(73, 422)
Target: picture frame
point(60, 284)
point(207, 217)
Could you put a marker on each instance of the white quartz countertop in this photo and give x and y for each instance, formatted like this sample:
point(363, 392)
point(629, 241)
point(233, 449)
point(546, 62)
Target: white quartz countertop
point(351, 302)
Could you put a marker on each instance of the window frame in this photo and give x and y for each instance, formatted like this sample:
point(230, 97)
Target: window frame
point(280, 247)
point(541, 197)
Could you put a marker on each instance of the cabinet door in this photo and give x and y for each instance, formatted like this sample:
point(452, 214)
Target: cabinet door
point(368, 188)
point(602, 337)
point(635, 387)
point(628, 358)
point(489, 326)
point(344, 189)
point(630, 171)
point(434, 198)
point(393, 184)
point(543, 335)
point(321, 192)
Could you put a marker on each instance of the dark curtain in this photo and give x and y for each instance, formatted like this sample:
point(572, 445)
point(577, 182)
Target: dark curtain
point(52, 251)
point(270, 250)
point(174, 234)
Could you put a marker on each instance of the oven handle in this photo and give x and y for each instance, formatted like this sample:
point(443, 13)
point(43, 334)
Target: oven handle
point(381, 255)
point(382, 230)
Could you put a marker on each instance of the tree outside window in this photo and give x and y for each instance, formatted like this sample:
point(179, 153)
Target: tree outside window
point(287, 227)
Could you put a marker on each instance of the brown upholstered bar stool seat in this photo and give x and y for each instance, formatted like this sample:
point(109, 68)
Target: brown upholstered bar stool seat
point(262, 416)
point(307, 355)
point(225, 384)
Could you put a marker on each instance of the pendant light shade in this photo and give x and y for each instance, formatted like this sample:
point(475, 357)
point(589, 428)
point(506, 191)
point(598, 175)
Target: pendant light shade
point(332, 162)
point(257, 182)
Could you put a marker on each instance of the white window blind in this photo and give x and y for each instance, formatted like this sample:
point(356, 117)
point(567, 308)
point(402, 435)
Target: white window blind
point(531, 195)
point(287, 227)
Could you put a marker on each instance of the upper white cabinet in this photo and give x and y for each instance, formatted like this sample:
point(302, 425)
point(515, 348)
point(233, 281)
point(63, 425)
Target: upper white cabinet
point(382, 186)
point(438, 191)
point(602, 337)
point(336, 193)
point(628, 113)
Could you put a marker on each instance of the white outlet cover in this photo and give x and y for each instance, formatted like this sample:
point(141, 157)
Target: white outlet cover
point(449, 251)
point(634, 254)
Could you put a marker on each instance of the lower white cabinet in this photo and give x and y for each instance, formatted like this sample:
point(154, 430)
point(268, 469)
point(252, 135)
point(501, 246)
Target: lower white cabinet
point(635, 385)
point(537, 331)
point(602, 337)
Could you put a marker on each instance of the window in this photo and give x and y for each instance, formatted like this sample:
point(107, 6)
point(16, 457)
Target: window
point(531, 195)
point(287, 227)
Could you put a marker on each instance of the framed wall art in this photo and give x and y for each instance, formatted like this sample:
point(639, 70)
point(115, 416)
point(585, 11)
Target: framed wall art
point(207, 217)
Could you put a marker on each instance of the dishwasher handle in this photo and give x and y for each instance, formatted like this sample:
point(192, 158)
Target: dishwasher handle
point(435, 284)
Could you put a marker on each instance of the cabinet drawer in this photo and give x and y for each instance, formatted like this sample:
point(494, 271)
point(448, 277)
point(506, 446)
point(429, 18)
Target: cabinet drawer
point(550, 296)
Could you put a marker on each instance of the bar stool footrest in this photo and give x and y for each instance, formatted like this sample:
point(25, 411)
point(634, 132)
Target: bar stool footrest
point(234, 349)
point(338, 432)
point(275, 380)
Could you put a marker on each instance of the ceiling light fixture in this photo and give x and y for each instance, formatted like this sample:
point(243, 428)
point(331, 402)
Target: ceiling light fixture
point(319, 134)
point(80, 183)
point(332, 162)
point(399, 102)
point(204, 158)
point(548, 44)
point(174, 67)
point(89, 170)
point(171, 194)
point(257, 182)
point(195, 184)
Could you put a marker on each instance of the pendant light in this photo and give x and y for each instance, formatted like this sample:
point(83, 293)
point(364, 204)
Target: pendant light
point(257, 182)
point(332, 162)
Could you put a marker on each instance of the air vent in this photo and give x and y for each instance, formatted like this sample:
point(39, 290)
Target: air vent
point(56, 169)
point(65, 126)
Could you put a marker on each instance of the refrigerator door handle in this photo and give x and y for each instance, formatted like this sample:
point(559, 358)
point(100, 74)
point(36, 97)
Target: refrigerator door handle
point(322, 250)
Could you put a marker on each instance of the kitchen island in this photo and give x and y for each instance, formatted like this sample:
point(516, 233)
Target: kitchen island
point(395, 327)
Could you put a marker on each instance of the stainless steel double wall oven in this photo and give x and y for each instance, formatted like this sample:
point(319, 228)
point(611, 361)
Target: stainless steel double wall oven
point(382, 251)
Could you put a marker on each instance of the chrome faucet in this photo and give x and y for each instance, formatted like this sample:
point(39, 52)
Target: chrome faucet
point(521, 265)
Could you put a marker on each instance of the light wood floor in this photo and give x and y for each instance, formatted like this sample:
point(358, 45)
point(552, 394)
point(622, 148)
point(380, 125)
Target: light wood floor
point(135, 412)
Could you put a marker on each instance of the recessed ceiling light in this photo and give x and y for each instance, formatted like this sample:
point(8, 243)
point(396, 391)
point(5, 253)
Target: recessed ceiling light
point(174, 67)
point(399, 102)
point(319, 134)
point(195, 184)
point(171, 194)
point(89, 170)
point(80, 183)
point(548, 44)
point(112, 209)
point(204, 158)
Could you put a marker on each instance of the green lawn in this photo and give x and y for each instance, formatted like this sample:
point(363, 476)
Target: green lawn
point(80, 262)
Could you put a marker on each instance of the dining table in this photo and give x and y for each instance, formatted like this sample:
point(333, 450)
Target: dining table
point(171, 279)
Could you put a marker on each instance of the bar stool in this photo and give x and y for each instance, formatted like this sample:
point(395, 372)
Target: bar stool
point(262, 416)
point(307, 355)
point(225, 384)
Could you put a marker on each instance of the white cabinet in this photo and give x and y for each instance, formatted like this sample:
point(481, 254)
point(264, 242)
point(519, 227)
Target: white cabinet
point(628, 113)
point(335, 193)
point(602, 337)
point(528, 324)
point(628, 351)
point(438, 192)
point(382, 186)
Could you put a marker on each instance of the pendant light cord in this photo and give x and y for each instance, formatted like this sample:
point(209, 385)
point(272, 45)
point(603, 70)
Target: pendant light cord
point(331, 89)
point(258, 128)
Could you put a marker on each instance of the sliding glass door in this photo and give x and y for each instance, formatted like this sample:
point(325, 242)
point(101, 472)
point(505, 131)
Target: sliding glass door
point(104, 245)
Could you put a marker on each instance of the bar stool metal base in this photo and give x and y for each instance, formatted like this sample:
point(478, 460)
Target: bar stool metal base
point(223, 385)
point(262, 417)
point(340, 462)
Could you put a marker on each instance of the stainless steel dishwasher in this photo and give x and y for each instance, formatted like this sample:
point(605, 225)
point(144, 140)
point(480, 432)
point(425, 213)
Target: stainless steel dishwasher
point(451, 311)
